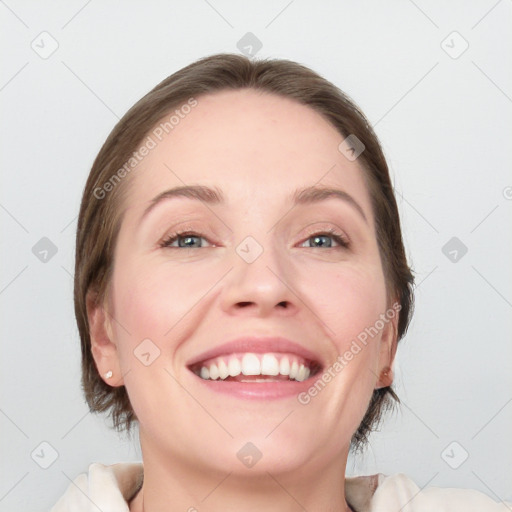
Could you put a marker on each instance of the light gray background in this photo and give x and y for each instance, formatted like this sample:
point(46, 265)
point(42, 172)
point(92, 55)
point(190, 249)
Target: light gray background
point(445, 124)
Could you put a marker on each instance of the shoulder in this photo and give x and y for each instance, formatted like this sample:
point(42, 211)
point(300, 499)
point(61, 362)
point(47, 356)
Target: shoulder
point(108, 487)
point(382, 493)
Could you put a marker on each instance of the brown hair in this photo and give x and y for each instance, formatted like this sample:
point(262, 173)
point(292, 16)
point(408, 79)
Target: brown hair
point(100, 213)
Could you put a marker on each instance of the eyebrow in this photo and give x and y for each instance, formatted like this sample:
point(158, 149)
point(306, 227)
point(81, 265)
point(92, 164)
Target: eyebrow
point(311, 195)
point(308, 195)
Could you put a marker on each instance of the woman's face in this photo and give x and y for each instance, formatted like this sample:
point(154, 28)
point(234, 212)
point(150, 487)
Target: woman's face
point(254, 266)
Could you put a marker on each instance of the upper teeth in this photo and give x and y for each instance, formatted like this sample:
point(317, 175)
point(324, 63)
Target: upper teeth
point(255, 364)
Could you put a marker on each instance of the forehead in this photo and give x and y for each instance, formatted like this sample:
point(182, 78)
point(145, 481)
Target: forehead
point(249, 144)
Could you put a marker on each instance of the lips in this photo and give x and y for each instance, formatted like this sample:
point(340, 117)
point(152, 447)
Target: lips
point(255, 360)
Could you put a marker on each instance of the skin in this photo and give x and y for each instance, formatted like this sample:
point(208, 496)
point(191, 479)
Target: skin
point(258, 149)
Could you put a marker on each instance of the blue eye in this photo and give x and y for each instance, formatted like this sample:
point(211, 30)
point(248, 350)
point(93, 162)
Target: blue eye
point(323, 239)
point(186, 240)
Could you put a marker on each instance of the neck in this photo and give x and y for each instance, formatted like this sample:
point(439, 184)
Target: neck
point(171, 485)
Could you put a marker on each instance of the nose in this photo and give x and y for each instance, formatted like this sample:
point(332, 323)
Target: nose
point(259, 287)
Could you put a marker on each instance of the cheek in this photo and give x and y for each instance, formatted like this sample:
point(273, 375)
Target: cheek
point(154, 300)
point(348, 299)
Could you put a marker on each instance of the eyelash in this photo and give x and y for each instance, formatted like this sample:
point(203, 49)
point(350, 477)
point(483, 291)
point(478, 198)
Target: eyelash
point(338, 237)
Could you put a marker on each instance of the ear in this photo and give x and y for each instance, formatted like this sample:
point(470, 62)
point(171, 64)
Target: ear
point(387, 354)
point(103, 347)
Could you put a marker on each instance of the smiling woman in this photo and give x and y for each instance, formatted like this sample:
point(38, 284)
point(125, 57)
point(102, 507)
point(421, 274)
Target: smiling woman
point(247, 277)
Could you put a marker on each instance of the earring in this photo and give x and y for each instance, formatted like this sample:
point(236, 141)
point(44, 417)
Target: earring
point(108, 375)
point(384, 374)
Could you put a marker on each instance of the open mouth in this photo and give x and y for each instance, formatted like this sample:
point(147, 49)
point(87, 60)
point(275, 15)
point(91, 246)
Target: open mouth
point(256, 367)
